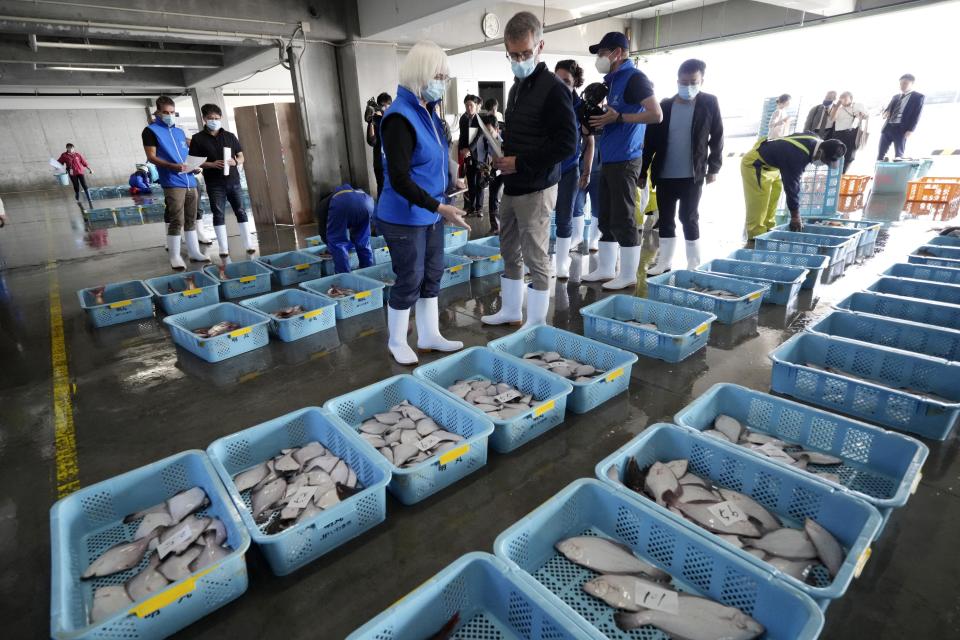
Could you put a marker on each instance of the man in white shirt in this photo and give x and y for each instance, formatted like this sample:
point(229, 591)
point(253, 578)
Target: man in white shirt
point(902, 115)
point(847, 117)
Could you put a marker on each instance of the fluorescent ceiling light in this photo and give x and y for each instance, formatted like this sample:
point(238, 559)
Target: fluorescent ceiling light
point(112, 69)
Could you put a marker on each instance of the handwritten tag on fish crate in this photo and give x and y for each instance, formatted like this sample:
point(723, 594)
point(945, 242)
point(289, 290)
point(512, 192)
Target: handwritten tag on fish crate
point(453, 454)
point(362, 294)
point(189, 293)
point(653, 597)
point(181, 537)
point(916, 483)
point(701, 328)
point(727, 512)
point(301, 267)
point(246, 279)
point(302, 497)
point(456, 268)
point(428, 443)
point(313, 314)
point(862, 562)
point(542, 409)
point(171, 595)
point(240, 332)
point(122, 303)
point(774, 452)
point(613, 375)
point(507, 396)
point(496, 257)
point(754, 296)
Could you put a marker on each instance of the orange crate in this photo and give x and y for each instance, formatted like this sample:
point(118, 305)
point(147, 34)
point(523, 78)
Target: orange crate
point(937, 210)
point(849, 203)
point(933, 191)
point(851, 185)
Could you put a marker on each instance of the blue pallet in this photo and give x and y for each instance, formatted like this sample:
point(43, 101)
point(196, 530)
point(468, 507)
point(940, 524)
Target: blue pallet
point(698, 564)
point(617, 364)
point(381, 273)
point(492, 600)
point(787, 493)
point(251, 335)
point(878, 304)
point(205, 292)
point(904, 335)
point(884, 402)
point(368, 296)
point(319, 313)
point(456, 270)
point(921, 289)
point(381, 252)
point(292, 267)
point(413, 484)
point(247, 278)
point(835, 248)
point(680, 332)
point(485, 259)
point(88, 522)
point(945, 275)
point(944, 241)
point(123, 302)
point(454, 237)
point(784, 281)
point(673, 287)
point(303, 543)
point(879, 466)
point(816, 265)
point(481, 362)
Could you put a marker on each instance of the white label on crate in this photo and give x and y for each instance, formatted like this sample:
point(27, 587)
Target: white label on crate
point(652, 597)
point(727, 512)
point(181, 537)
point(428, 443)
point(774, 452)
point(507, 396)
point(302, 497)
point(916, 483)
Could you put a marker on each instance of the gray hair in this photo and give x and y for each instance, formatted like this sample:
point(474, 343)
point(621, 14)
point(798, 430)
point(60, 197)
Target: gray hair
point(522, 24)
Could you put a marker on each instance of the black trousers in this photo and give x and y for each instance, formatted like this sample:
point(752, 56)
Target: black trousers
point(618, 202)
point(79, 181)
point(473, 198)
point(849, 138)
point(893, 134)
point(685, 192)
point(378, 176)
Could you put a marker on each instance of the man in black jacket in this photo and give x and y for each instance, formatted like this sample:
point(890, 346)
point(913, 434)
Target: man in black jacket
point(684, 149)
point(902, 115)
point(472, 200)
point(540, 131)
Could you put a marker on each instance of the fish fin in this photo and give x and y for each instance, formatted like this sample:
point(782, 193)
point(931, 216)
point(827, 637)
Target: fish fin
point(447, 629)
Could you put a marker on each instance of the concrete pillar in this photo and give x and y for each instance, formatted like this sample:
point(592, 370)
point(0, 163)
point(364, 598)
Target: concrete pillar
point(209, 95)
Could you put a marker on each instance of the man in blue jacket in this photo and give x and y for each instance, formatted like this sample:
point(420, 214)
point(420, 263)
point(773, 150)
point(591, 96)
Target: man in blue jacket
point(902, 115)
point(343, 220)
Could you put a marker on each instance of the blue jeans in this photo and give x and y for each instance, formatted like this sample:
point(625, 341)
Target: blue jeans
point(348, 228)
point(566, 202)
point(417, 254)
point(593, 191)
point(219, 194)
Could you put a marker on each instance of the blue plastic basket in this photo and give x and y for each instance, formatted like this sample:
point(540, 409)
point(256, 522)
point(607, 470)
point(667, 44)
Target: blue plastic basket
point(939, 255)
point(790, 494)
point(944, 241)
point(912, 337)
point(490, 241)
point(430, 476)
point(698, 564)
point(99, 215)
point(816, 265)
point(454, 237)
point(303, 543)
point(884, 402)
point(835, 248)
point(456, 270)
point(944, 275)
point(617, 363)
point(839, 232)
point(550, 391)
point(205, 292)
point(892, 177)
point(315, 241)
point(934, 261)
point(784, 281)
point(493, 601)
point(123, 302)
point(878, 304)
point(368, 296)
point(128, 213)
point(680, 332)
point(293, 267)
point(88, 522)
point(319, 313)
point(251, 335)
point(870, 228)
point(485, 259)
point(381, 252)
point(320, 253)
point(879, 466)
point(674, 287)
point(381, 273)
point(247, 278)
point(921, 289)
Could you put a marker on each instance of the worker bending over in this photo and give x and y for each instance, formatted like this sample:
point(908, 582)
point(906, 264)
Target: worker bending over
point(343, 220)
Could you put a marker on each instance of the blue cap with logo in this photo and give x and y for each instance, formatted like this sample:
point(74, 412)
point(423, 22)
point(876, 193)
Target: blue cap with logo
point(611, 41)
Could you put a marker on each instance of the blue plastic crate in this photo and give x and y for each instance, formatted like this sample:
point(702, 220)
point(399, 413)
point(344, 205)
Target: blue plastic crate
point(912, 337)
point(485, 258)
point(368, 296)
point(934, 261)
point(247, 278)
point(293, 267)
point(315, 241)
point(945, 275)
point(206, 291)
point(493, 600)
point(879, 466)
point(88, 522)
point(921, 289)
point(816, 265)
point(320, 252)
point(481, 362)
point(381, 252)
point(490, 241)
point(456, 270)
point(674, 287)
point(853, 390)
point(870, 228)
point(251, 335)
point(318, 315)
point(680, 332)
point(932, 313)
point(454, 237)
point(835, 248)
point(123, 302)
point(938, 255)
point(381, 273)
point(697, 563)
point(787, 493)
point(99, 215)
point(944, 241)
point(784, 281)
point(303, 543)
point(129, 213)
point(413, 484)
point(853, 235)
point(892, 177)
point(617, 363)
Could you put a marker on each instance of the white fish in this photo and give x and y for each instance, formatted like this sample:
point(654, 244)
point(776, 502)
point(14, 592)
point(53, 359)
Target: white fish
point(713, 433)
point(351, 479)
point(286, 463)
point(697, 619)
point(412, 412)
point(147, 582)
point(700, 513)
point(816, 457)
point(795, 568)
point(755, 437)
point(792, 544)
point(661, 483)
point(209, 554)
point(828, 549)
point(340, 472)
point(266, 497)
point(309, 451)
point(426, 426)
point(120, 557)
point(606, 557)
point(151, 522)
point(729, 427)
point(752, 508)
point(327, 500)
point(373, 427)
point(678, 467)
point(619, 591)
point(186, 502)
point(218, 529)
point(695, 493)
point(402, 453)
point(326, 463)
point(178, 567)
point(374, 441)
point(176, 539)
point(390, 417)
point(409, 436)
point(251, 477)
point(107, 601)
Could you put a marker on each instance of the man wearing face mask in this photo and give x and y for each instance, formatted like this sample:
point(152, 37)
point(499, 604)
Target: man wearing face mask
point(820, 117)
point(631, 106)
point(540, 131)
point(215, 143)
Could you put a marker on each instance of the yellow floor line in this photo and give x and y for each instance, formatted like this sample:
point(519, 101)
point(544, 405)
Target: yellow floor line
point(68, 472)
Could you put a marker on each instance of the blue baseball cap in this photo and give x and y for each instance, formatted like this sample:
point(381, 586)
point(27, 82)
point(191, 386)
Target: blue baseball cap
point(612, 40)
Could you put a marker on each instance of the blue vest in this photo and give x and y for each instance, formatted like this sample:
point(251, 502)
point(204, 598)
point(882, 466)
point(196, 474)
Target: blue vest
point(172, 146)
point(574, 160)
point(428, 165)
point(621, 142)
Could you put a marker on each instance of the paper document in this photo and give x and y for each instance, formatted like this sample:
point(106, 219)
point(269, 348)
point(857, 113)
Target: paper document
point(227, 156)
point(194, 162)
point(494, 143)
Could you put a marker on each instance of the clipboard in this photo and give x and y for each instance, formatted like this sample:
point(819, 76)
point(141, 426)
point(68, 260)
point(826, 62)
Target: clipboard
point(494, 143)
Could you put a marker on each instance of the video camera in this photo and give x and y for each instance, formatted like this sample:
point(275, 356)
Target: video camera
point(591, 105)
point(371, 110)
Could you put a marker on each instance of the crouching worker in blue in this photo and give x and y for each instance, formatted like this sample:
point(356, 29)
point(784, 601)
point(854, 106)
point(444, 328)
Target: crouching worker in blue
point(410, 213)
point(343, 221)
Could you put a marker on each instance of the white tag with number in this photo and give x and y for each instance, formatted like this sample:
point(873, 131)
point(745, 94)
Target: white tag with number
point(727, 512)
point(653, 597)
point(302, 497)
point(774, 452)
point(507, 396)
point(428, 443)
point(181, 537)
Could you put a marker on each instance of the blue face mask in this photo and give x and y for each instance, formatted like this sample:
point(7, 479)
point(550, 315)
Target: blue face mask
point(213, 125)
point(168, 119)
point(688, 91)
point(525, 68)
point(434, 90)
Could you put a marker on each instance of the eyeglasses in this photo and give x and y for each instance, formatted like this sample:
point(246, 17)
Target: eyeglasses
point(522, 57)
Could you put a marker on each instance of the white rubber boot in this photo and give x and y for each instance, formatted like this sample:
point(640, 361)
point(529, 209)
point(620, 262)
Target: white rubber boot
point(606, 263)
point(577, 242)
point(248, 245)
point(193, 247)
point(562, 258)
point(202, 237)
point(627, 276)
point(668, 247)
point(537, 304)
point(398, 323)
point(173, 248)
point(576, 266)
point(222, 243)
point(511, 304)
point(594, 242)
point(428, 328)
point(693, 254)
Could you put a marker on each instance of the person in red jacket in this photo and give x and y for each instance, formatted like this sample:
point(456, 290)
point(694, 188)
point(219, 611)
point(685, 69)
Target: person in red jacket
point(76, 164)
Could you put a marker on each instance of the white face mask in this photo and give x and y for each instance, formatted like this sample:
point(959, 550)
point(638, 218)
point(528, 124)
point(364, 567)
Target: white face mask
point(603, 64)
